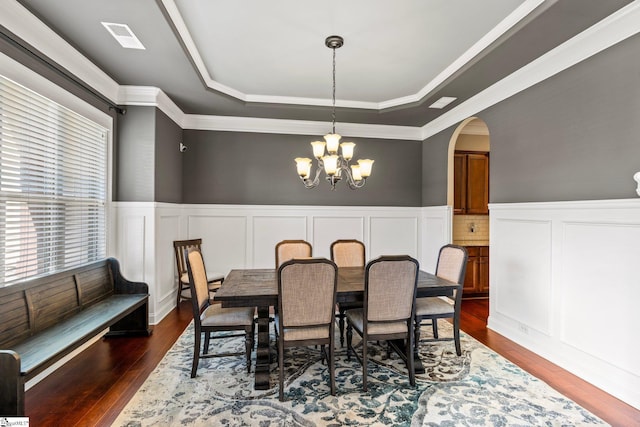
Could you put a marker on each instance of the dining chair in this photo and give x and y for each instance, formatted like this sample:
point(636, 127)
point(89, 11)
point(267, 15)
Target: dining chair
point(214, 279)
point(347, 253)
point(209, 318)
point(287, 250)
point(290, 249)
point(306, 301)
point(388, 308)
point(452, 266)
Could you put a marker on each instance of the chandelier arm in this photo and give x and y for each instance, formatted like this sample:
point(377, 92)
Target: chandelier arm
point(308, 183)
point(353, 184)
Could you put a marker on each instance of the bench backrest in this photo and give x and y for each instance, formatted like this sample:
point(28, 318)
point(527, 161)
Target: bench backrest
point(37, 304)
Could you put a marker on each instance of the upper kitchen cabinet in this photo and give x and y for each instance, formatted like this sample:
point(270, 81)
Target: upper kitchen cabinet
point(471, 183)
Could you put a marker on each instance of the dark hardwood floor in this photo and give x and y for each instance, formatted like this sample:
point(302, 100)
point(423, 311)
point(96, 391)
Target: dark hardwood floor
point(92, 389)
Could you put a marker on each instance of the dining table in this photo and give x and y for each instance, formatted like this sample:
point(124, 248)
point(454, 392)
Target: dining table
point(259, 288)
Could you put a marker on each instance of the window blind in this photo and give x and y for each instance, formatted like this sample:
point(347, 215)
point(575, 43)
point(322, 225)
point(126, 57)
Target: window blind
point(53, 180)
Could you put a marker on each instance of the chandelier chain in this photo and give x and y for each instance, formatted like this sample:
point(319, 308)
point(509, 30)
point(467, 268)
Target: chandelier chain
point(333, 112)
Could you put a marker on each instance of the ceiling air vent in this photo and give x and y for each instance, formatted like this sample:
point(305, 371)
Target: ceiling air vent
point(123, 34)
point(442, 102)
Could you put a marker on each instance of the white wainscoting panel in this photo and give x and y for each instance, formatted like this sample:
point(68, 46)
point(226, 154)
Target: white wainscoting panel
point(524, 250)
point(131, 256)
point(135, 245)
point(269, 230)
point(327, 230)
point(166, 260)
point(223, 240)
point(604, 278)
point(436, 232)
point(573, 265)
point(393, 235)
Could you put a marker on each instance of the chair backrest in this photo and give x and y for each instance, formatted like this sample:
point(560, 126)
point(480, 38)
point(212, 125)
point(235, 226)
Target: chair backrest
point(390, 288)
point(348, 253)
point(290, 249)
point(452, 263)
point(307, 292)
point(197, 281)
point(178, 247)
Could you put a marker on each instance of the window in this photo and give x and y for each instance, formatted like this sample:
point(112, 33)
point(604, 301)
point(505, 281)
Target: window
point(53, 186)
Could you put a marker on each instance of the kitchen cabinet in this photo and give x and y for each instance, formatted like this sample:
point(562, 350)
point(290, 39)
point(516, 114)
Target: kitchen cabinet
point(470, 183)
point(476, 281)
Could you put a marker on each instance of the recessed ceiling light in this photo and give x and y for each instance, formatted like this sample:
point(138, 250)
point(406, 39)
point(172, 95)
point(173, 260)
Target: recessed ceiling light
point(443, 102)
point(123, 35)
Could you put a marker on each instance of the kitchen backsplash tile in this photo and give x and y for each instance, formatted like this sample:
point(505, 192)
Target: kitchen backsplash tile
point(471, 228)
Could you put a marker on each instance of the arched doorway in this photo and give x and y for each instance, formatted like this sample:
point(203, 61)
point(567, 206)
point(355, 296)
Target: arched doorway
point(468, 195)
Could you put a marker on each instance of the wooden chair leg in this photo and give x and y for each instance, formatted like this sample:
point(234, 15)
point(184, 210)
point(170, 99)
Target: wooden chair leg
point(332, 368)
point(456, 335)
point(434, 325)
point(179, 294)
point(410, 359)
point(196, 352)
point(281, 371)
point(341, 317)
point(207, 339)
point(364, 364)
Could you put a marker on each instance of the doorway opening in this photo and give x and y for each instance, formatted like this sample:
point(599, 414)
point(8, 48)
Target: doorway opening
point(468, 194)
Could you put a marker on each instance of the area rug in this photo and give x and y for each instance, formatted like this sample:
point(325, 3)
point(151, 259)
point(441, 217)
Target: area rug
point(479, 388)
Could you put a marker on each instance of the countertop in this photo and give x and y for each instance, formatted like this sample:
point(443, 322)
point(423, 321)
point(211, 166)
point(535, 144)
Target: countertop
point(471, 242)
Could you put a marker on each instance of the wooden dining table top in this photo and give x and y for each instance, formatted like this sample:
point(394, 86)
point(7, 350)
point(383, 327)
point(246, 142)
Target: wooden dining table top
point(259, 287)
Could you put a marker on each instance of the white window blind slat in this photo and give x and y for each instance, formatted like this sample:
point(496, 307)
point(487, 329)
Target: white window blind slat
point(53, 176)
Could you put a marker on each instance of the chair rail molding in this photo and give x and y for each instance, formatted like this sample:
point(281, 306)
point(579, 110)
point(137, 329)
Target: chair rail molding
point(557, 270)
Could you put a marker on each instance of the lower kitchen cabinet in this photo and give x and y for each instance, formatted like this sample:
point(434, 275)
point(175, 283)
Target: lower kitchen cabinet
point(476, 281)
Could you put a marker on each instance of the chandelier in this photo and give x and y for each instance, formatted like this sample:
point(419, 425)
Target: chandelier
point(335, 165)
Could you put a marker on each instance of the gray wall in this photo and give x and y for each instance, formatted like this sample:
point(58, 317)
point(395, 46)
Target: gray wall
point(575, 136)
point(135, 159)
point(435, 151)
point(252, 168)
point(168, 161)
point(149, 164)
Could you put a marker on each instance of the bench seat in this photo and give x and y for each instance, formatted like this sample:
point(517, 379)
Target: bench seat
point(39, 351)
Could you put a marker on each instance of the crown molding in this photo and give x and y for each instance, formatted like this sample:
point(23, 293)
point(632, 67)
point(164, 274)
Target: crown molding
point(154, 97)
point(298, 127)
point(150, 96)
point(604, 34)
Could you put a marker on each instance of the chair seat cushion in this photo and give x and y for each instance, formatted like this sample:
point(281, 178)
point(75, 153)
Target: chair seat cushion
point(215, 315)
point(434, 306)
point(211, 277)
point(306, 333)
point(356, 317)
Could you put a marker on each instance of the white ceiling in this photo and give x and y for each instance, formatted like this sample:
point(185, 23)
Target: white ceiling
point(262, 50)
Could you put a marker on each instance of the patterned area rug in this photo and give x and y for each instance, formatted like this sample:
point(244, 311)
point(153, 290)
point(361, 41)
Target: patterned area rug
point(479, 388)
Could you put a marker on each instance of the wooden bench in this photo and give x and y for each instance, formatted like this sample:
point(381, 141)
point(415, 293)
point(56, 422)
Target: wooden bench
point(45, 319)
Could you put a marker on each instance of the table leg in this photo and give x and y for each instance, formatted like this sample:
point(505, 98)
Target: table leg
point(399, 347)
point(263, 350)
